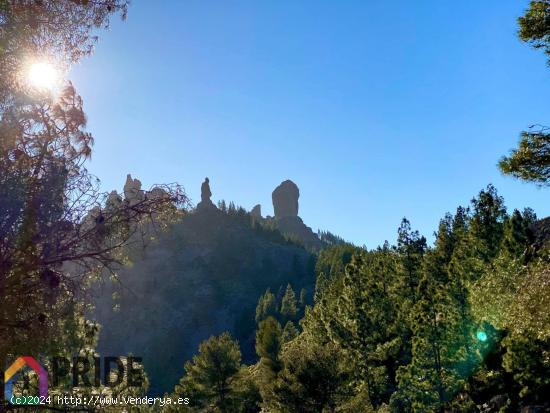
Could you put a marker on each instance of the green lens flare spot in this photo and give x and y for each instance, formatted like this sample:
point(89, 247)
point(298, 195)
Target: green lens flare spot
point(481, 336)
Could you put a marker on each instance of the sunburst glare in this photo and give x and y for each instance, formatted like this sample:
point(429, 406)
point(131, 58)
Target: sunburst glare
point(43, 76)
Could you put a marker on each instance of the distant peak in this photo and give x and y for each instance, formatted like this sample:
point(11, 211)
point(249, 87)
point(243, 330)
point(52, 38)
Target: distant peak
point(285, 199)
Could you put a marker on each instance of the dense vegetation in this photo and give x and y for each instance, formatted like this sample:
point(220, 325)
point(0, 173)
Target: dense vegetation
point(462, 326)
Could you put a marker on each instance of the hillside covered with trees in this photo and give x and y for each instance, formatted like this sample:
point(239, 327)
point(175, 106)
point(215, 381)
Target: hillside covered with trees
point(203, 276)
point(237, 313)
point(462, 325)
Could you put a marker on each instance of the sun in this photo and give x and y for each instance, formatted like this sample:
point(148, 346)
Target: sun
point(43, 76)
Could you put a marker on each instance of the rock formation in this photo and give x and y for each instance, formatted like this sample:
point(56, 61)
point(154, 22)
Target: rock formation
point(206, 194)
point(113, 201)
point(132, 190)
point(256, 212)
point(158, 193)
point(285, 205)
point(206, 203)
point(285, 199)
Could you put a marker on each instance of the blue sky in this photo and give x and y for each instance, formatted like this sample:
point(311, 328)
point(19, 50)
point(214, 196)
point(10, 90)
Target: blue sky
point(376, 109)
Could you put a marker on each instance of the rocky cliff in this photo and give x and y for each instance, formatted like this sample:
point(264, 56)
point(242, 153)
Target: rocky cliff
point(286, 207)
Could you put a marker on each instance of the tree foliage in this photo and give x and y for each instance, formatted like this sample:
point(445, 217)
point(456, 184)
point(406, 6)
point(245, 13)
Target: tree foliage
point(58, 231)
point(210, 378)
point(534, 25)
point(289, 304)
point(530, 161)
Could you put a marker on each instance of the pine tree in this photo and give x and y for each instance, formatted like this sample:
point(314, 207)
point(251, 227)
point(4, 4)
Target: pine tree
point(530, 161)
point(268, 348)
point(222, 206)
point(432, 378)
point(290, 332)
point(268, 342)
point(289, 307)
point(267, 306)
point(210, 376)
point(314, 379)
point(363, 323)
point(517, 232)
point(411, 247)
point(534, 25)
point(487, 223)
point(320, 283)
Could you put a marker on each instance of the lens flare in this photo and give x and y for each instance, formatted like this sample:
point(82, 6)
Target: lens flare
point(481, 336)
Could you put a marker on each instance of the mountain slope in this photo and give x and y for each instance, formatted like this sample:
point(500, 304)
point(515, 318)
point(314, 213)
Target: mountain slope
point(202, 277)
